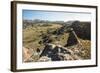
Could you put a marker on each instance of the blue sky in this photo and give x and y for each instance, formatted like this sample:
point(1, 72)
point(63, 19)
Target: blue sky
point(55, 16)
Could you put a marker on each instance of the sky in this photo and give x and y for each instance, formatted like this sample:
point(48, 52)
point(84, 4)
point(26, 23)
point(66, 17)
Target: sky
point(55, 15)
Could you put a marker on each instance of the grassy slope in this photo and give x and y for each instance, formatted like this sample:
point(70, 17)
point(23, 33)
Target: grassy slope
point(32, 35)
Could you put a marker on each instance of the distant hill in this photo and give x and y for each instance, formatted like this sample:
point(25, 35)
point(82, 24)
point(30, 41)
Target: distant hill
point(40, 22)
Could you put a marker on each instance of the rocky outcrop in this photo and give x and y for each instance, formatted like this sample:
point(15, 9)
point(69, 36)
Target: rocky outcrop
point(82, 29)
point(53, 52)
point(27, 53)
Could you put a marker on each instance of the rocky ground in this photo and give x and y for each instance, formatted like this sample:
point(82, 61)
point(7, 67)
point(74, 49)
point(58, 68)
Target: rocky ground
point(53, 52)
